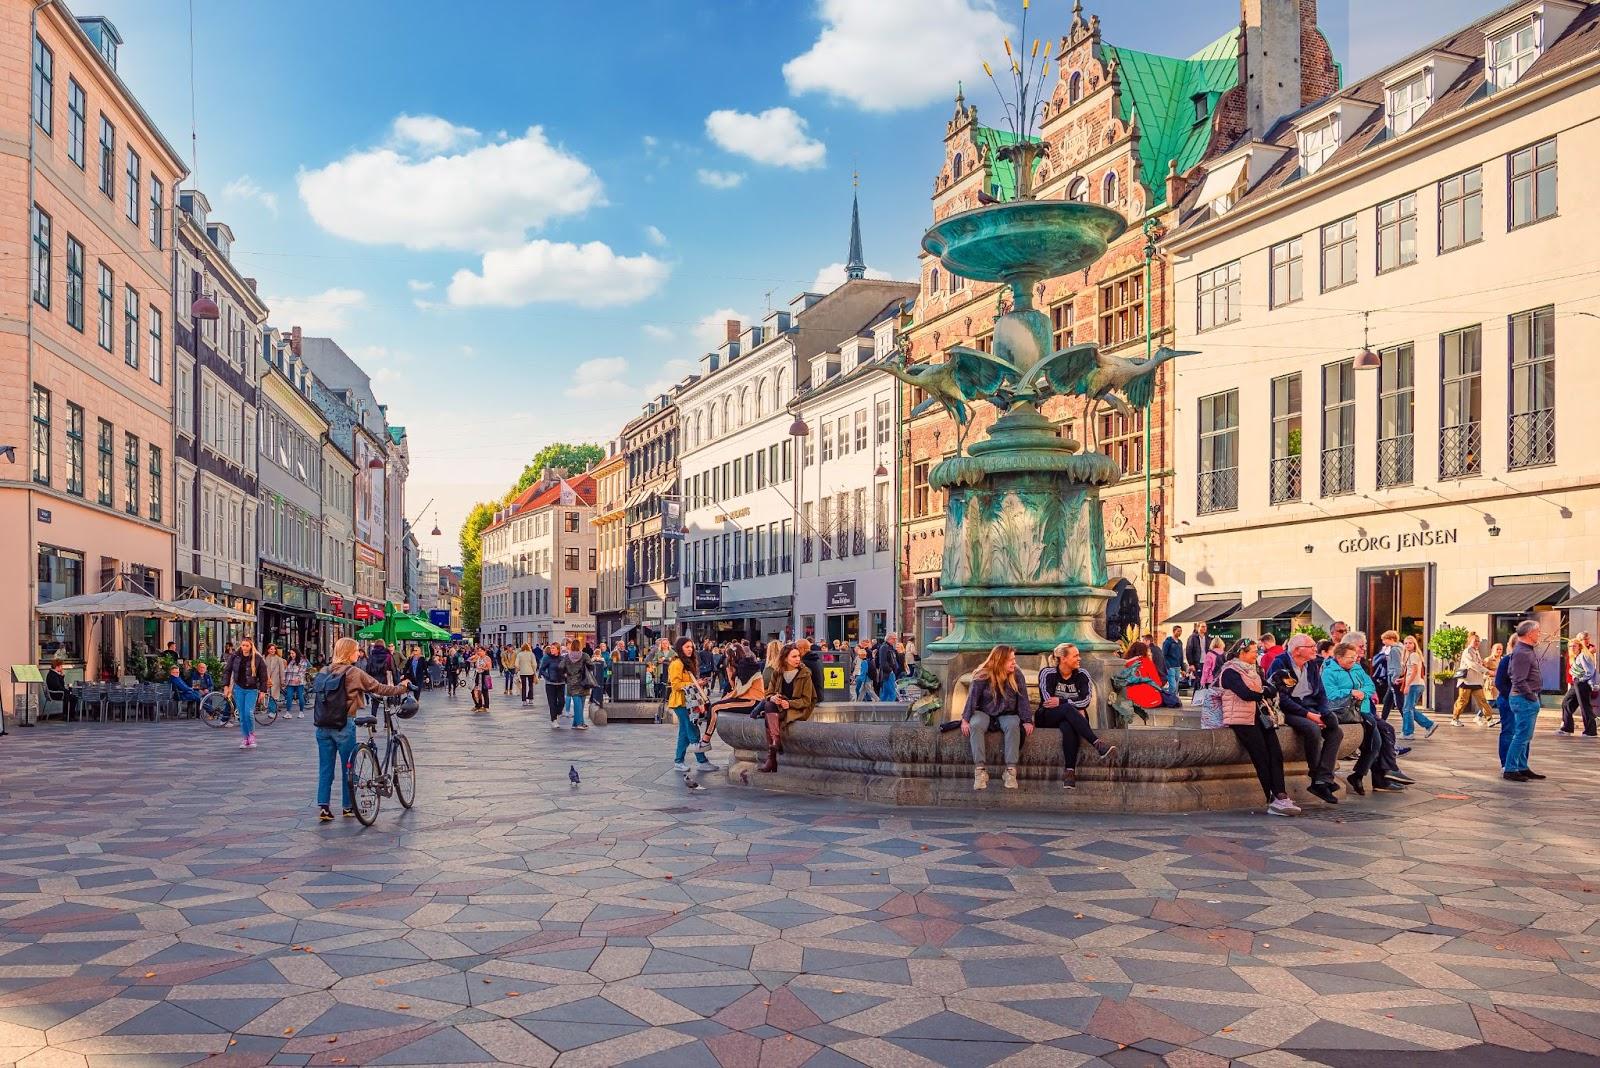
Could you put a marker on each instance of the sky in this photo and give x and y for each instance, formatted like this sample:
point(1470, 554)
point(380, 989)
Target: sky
point(524, 218)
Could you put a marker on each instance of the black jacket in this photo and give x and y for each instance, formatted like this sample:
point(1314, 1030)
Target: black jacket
point(1316, 701)
point(887, 660)
point(813, 663)
point(1159, 659)
point(1194, 651)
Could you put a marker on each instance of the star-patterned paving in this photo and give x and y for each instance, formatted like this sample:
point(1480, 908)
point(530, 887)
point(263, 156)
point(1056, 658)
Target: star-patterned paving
point(167, 899)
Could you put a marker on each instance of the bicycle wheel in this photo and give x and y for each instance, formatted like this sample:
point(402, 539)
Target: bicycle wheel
point(266, 711)
point(214, 710)
point(365, 783)
point(405, 772)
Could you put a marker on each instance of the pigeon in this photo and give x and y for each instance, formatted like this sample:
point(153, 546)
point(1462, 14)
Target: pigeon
point(691, 782)
point(572, 774)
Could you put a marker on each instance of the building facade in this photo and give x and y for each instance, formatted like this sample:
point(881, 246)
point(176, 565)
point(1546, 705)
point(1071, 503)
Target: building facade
point(1117, 122)
point(397, 466)
point(610, 535)
point(1422, 222)
point(652, 512)
point(86, 332)
point(291, 432)
point(540, 564)
point(338, 536)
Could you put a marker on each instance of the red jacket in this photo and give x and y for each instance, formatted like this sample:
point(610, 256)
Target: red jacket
point(1146, 695)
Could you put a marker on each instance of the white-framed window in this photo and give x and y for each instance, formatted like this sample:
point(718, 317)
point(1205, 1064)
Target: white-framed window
point(1407, 103)
point(1318, 143)
point(1461, 210)
point(1397, 232)
point(1511, 54)
point(1339, 253)
point(1110, 190)
point(1286, 273)
point(1219, 292)
point(1079, 190)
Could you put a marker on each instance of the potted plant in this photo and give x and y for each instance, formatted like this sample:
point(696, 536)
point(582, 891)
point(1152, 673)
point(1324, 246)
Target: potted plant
point(1312, 629)
point(1446, 645)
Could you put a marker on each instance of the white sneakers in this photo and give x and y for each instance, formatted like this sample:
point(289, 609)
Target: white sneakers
point(980, 778)
point(680, 766)
point(1283, 807)
point(1009, 779)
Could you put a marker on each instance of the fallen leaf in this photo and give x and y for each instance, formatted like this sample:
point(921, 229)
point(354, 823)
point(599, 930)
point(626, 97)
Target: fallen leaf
point(233, 1041)
point(402, 1006)
point(1499, 947)
point(288, 1030)
point(383, 982)
point(840, 991)
point(1077, 915)
point(332, 1039)
point(1225, 1030)
point(149, 975)
point(513, 993)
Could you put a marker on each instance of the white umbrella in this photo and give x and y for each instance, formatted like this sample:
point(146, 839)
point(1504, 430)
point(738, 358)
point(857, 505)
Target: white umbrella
point(111, 603)
point(200, 608)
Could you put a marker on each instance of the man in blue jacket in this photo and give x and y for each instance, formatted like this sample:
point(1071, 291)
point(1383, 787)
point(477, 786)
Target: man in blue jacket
point(1172, 653)
point(1298, 676)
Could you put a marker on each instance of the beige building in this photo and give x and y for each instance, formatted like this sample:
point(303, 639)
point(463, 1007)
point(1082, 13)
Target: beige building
point(86, 333)
point(1392, 294)
point(610, 535)
point(540, 563)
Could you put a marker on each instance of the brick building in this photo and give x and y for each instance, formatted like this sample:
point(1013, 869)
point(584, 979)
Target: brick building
point(1120, 125)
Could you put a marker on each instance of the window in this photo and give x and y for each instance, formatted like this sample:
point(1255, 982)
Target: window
point(571, 557)
point(1078, 190)
point(827, 441)
point(933, 282)
point(593, 558)
point(1062, 315)
point(1533, 389)
point(1122, 439)
point(130, 326)
point(1286, 271)
point(60, 575)
point(131, 193)
point(861, 429)
point(1339, 428)
point(108, 156)
point(1074, 88)
point(1286, 439)
point(157, 212)
point(1511, 54)
point(74, 283)
point(1122, 310)
point(155, 484)
point(74, 449)
point(571, 519)
point(883, 424)
point(841, 526)
point(1533, 184)
point(77, 122)
point(882, 533)
point(1461, 412)
point(806, 530)
point(1407, 102)
point(1109, 188)
point(40, 272)
point(41, 435)
point(921, 495)
point(571, 596)
point(44, 81)
point(858, 524)
point(1397, 233)
point(103, 466)
point(107, 306)
point(1218, 482)
point(1461, 210)
point(1317, 144)
point(1219, 295)
point(1396, 413)
point(1339, 254)
point(157, 354)
point(130, 473)
point(843, 437)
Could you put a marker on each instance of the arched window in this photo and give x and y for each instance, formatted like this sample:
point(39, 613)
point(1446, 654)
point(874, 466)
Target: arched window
point(698, 426)
point(955, 168)
point(1074, 88)
point(727, 414)
point(1078, 190)
point(933, 282)
point(711, 421)
point(1110, 187)
point(780, 393)
point(744, 406)
point(763, 398)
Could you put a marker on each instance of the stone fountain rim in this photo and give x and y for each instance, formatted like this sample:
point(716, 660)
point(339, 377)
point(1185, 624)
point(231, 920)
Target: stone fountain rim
point(935, 234)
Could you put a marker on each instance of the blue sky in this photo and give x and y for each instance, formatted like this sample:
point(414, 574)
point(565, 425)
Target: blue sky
point(523, 216)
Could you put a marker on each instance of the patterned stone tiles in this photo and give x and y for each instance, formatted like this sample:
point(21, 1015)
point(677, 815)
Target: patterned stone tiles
point(514, 919)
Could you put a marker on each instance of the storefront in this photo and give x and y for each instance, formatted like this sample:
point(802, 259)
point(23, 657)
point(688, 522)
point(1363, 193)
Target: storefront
point(756, 620)
point(210, 638)
point(289, 608)
point(844, 609)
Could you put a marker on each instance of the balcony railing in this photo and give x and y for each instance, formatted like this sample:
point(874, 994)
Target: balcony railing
point(1395, 461)
point(1219, 490)
point(1338, 470)
point(1533, 439)
point(1285, 479)
point(1460, 451)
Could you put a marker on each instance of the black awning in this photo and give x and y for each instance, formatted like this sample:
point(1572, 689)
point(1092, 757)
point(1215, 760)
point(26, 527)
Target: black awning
point(1277, 607)
point(1206, 611)
point(1514, 598)
point(1589, 598)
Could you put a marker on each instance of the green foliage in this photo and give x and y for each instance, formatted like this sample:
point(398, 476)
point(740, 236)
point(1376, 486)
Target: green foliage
point(1312, 629)
point(575, 458)
point(472, 564)
point(1448, 643)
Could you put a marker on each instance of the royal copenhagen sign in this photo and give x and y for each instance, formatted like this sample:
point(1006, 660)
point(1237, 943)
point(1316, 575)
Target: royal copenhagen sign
point(1399, 543)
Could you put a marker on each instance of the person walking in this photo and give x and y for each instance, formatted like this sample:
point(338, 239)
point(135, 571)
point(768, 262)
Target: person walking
point(1413, 675)
point(1211, 662)
point(1065, 695)
point(527, 669)
point(294, 685)
point(1388, 673)
point(554, 677)
point(1296, 674)
point(338, 695)
point(275, 665)
point(998, 695)
point(508, 668)
point(1243, 695)
point(1580, 692)
point(482, 666)
point(686, 691)
point(244, 676)
point(791, 699)
point(1525, 684)
point(416, 669)
point(1474, 674)
point(578, 675)
point(453, 664)
point(1491, 687)
point(1172, 653)
point(862, 674)
point(1196, 649)
point(887, 659)
point(380, 662)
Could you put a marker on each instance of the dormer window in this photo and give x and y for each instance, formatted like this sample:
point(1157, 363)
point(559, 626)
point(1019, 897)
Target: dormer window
point(1512, 53)
point(1318, 143)
point(1407, 103)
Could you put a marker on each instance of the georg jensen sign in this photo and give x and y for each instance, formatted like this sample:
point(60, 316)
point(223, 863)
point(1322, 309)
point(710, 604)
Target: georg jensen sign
point(1399, 543)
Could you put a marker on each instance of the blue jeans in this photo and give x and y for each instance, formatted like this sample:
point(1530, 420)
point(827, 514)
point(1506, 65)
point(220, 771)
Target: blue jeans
point(293, 695)
point(245, 701)
point(1410, 714)
point(575, 706)
point(888, 690)
point(1172, 681)
point(343, 742)
point(687, 736)
point(1524, 712)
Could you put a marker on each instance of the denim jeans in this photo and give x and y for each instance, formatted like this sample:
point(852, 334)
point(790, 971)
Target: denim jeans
point(687, 736)
point(575, 706)
point(329, 742)
point(1172, 681)
point(1410, 714)
point(294, 695)
point(245, 701)
point(889, 690)
point(1524, 711)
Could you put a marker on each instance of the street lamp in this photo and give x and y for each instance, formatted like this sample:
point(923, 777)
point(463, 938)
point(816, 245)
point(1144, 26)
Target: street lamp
point(798, 428)
point(1366, 359)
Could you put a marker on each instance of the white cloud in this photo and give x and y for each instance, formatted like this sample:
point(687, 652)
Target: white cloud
point(720, 179)
point(893, 54)
point(590, 276)
point(831, 277)
point(613, 379)
point(322, 313)
point(649, 141)
point(419, 286)
point(430, 134)
point(597, 378)
point(657, 238)
point(482, 198)
point(776, 137)
point(657, 333)
point(245, 188)
point(711, 331)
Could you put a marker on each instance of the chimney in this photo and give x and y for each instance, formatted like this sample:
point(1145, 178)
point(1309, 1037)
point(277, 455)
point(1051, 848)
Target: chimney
point(730, 330)
point(251, 282)
point(294, 341)
point(1269, 61)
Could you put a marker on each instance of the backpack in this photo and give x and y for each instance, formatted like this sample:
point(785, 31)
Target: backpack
point(330, 710)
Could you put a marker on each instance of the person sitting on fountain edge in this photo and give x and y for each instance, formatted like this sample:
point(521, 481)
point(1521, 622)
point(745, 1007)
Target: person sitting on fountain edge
point(1297, 675)
point(998, 696)
point(1066, 693)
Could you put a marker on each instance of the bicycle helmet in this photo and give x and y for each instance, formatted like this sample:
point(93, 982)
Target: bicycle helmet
point(408, 706)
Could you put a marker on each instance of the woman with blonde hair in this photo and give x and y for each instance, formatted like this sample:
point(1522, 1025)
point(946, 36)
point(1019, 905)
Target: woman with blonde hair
point(998, 695)
point(774, 663)
point(338, 695)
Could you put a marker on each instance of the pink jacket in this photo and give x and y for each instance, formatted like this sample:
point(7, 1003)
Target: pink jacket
point(1236, 710)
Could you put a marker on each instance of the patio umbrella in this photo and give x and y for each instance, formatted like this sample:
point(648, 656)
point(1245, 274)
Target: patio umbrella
point(200, 608)
point(111, 603)
point(395, 626)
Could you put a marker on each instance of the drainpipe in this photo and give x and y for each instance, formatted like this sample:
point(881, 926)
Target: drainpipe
point(1150, 227)
point(27, 223)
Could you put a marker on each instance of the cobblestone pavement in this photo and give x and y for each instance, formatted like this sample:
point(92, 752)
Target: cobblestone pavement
point(168, 899)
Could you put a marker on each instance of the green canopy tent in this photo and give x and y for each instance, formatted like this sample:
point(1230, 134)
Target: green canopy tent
point(396, 627)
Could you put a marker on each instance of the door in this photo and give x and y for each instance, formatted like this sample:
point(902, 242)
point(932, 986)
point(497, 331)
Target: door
point(1394, 599)
point(844, 627)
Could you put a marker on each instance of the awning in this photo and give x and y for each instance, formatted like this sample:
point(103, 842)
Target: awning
point(1222, 180)
point(623, 631)
point(639, 497)
point(1514, 598)
point(1206, 611)
point(1277, 607)
point(1589, 598)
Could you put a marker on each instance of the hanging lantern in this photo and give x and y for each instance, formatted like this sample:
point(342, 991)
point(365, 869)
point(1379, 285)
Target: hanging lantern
point(205, 308)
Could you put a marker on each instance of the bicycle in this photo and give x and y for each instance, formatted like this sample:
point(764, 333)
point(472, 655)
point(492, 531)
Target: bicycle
point(395, 774)
point(217, 710)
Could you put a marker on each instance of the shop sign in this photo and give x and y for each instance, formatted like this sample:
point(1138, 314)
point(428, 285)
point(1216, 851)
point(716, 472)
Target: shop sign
point(294, 596)
point(842, 594)
point(336, 605)
point(1406, 539)
point(439, 617)
point(707, 596)
point(737, 513)
point(363, 612)
point(367, 555)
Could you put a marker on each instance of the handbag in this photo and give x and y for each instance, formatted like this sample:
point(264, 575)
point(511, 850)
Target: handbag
point(1344, 711)
point(693, 696)
point(1210, 702)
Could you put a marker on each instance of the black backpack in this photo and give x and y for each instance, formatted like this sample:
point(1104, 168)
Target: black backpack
point(330, 710)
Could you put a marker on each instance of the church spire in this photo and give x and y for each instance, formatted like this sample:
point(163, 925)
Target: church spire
point(857, 267)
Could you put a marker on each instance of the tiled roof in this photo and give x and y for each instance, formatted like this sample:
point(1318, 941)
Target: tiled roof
point(534, 498)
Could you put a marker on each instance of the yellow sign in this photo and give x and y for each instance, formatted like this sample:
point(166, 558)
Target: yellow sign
point(832, 677)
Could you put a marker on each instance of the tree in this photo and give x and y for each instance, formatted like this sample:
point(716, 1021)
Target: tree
point(575, 458)
point(472, 564)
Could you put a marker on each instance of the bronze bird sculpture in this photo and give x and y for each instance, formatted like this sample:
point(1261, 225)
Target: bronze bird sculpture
point(1118, 381)
point(965, 376)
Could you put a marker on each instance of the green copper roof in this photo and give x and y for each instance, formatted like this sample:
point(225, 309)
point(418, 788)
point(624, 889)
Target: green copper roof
point(1158, 93)
point(397, 434)
point(1002, 172)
